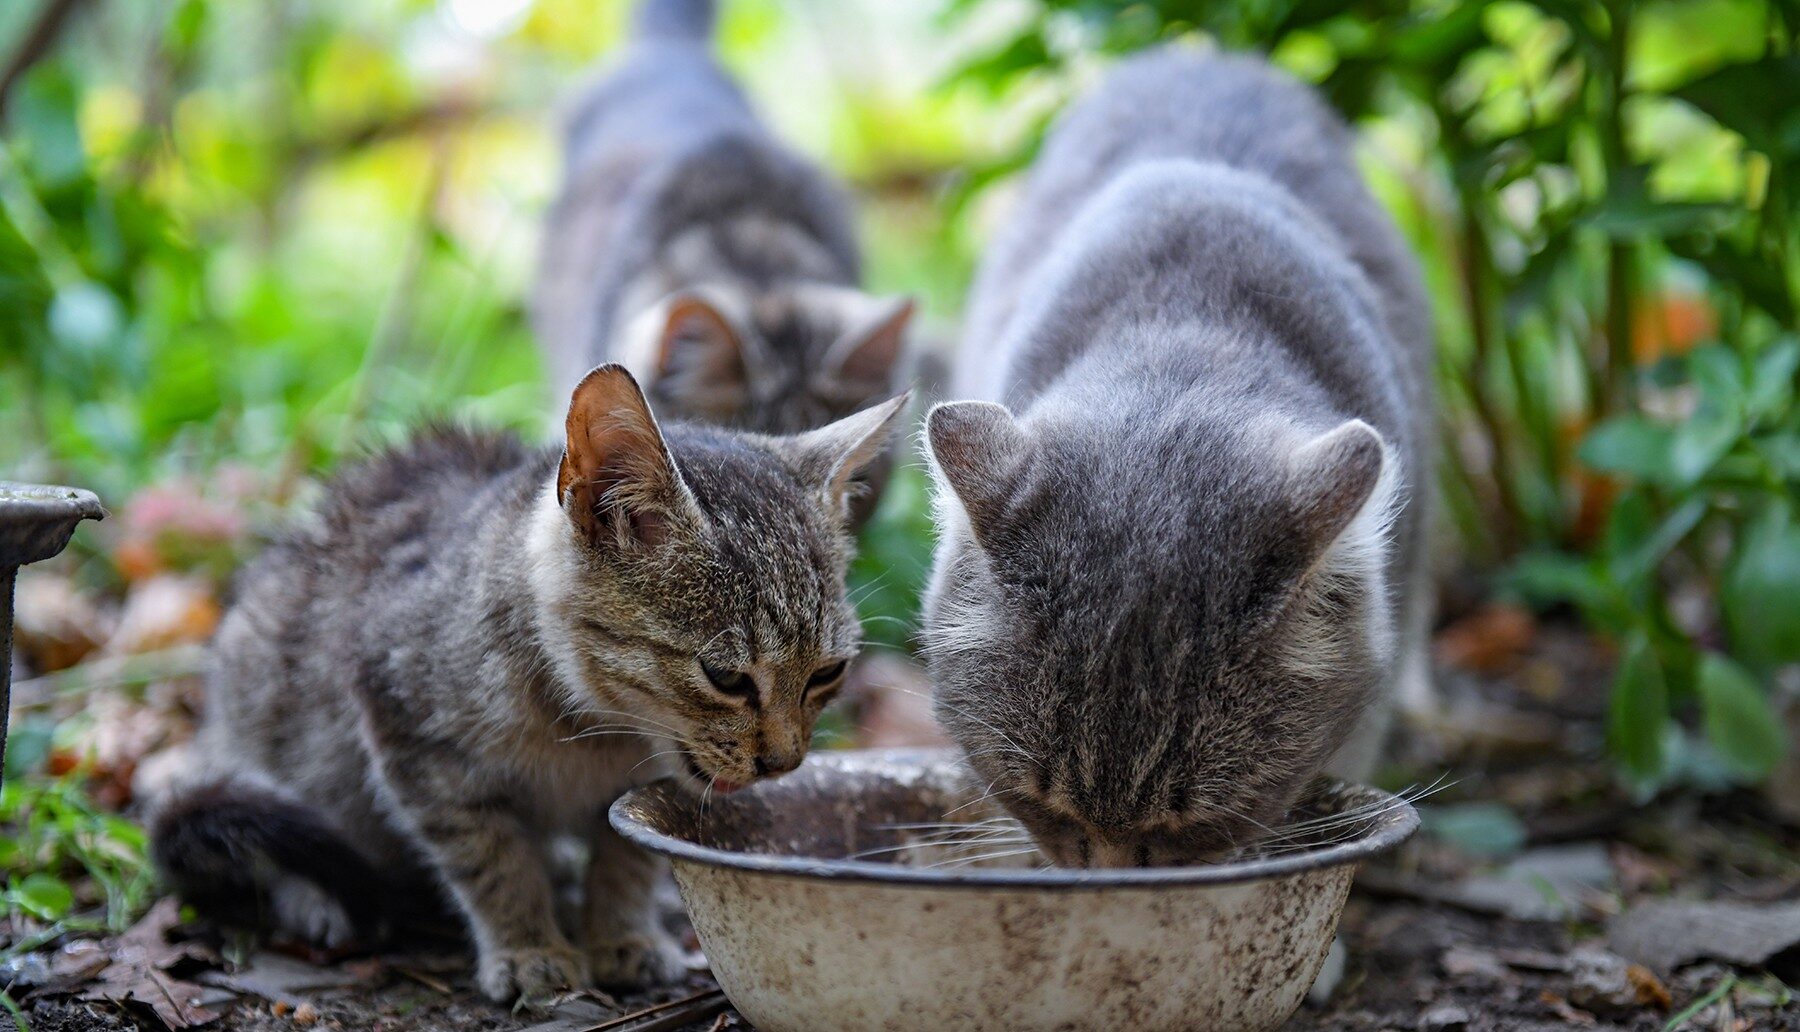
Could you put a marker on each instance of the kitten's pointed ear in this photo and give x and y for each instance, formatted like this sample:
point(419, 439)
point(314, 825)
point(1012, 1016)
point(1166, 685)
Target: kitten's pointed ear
point(617, 480)
point(973, 445)
point(703, 353)
point(870, 351)
point(832, 456)
point(1334, 478)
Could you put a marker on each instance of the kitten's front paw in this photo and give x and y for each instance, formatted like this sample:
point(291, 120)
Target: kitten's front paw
point(639, 959)
point(307, 912)
point(531, 975)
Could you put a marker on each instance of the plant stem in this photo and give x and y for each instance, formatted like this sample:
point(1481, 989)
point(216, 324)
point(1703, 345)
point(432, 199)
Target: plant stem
point(1477, 274)
point(1621, 266)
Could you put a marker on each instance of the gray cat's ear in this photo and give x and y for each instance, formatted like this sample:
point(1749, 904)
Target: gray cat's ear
point(973, 445)
point(1334, 478)
point(830, 457)
point(868, 353)
point(703, 353)
point(617, 481)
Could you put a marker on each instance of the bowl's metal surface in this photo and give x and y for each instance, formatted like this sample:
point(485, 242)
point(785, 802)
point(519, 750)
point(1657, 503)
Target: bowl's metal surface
point(801, 941)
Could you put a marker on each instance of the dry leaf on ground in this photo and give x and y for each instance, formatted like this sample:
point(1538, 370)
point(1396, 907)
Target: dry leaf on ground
point(138, 971)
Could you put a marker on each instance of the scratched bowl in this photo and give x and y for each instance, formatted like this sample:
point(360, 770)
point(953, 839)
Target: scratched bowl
point(842, 896)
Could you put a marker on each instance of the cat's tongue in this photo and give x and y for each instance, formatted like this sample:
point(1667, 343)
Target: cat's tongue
point(723, 787)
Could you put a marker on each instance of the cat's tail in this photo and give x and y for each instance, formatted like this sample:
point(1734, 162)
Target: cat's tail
point(246, 854)
point(684, 21)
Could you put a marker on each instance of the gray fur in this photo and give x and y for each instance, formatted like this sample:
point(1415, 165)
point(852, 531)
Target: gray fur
point(474, 647)
point(673, 188)
point(1169, 589)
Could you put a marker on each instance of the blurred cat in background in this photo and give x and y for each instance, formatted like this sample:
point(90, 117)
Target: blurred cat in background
point(714, 262)
point(1181, 563)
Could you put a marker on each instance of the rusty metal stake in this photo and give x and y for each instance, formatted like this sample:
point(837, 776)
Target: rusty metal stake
point(36, 522)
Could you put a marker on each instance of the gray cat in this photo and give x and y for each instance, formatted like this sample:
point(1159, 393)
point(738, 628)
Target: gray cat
point(1179, 572)
point(474, 647)
point(692, 246)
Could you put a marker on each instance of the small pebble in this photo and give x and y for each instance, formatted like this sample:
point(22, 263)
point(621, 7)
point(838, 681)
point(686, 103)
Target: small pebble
point(306, 1014)
point(1448, 1018)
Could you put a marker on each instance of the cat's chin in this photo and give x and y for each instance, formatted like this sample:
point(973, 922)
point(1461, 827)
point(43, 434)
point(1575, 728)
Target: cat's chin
point(698, 782)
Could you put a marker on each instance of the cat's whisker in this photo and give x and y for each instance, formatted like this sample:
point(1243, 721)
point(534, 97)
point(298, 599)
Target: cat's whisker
point(953, 844)
point(641, 718)
point(652, 756)
point(987, 794)
point(966, 861)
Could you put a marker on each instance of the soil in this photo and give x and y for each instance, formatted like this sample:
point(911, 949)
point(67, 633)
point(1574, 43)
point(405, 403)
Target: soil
point(1497, 919)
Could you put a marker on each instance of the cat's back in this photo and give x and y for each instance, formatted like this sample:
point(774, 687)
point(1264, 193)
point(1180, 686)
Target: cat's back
point(1181, 103)
point(379, 530)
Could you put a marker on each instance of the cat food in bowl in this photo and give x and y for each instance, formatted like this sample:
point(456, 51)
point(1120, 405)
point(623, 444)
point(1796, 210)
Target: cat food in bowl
point(875, 890)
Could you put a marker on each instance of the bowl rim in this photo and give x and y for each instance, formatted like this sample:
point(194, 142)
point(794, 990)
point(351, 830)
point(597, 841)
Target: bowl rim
point(1391, 827)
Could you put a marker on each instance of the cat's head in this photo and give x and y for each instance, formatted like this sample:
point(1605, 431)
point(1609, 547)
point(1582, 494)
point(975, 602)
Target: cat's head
point(1147, 636)
point(775, 358)
point(690, 580)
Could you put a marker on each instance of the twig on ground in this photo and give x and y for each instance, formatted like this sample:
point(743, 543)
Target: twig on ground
point(110, 672)
point(666, 1016)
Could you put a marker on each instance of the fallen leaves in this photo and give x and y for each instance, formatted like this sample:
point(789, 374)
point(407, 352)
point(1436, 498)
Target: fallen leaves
point(1665, 934)
point(165, 611)
point(139, 969)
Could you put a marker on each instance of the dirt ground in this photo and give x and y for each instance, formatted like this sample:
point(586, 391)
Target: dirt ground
point(1540, 897)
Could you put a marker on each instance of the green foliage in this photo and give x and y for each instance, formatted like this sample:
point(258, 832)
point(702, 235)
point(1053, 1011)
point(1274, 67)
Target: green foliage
point(1604, 195)
point(54, 840)
point(891, 568)
point(204, 283)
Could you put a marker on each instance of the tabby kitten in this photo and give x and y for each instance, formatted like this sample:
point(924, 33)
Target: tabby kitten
point(1180, 570)
point(475, 647)
point(692, 246)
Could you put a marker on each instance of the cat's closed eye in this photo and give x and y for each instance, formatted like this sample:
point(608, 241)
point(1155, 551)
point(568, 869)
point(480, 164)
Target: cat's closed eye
point(826, 676)
point(735, 683)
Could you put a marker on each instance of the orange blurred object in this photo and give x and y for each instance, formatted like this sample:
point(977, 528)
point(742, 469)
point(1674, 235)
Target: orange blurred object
point(1671, 323)
point(1488, 640)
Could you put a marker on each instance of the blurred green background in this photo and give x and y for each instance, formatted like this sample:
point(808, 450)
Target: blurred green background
point(240, 239)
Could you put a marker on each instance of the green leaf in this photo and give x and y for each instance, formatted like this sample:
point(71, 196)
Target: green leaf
point(1639, 714)
point(1631, 445)
point(1772, 385)
point(1628, 211)
point(1484, 829)
point(1697, 447)
point(1642, 559)
point(1759, 100)
point(43, 896)
point(1741, 723)
point(1761, 593)
point(1546, 578)
point(44, 113)
point(1761, 282)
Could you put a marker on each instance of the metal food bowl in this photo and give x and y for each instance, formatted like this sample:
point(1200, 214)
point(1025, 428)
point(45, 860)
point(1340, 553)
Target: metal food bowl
point(827, 900)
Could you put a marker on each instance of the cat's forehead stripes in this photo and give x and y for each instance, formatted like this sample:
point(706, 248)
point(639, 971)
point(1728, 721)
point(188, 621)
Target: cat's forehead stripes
point(779, 555)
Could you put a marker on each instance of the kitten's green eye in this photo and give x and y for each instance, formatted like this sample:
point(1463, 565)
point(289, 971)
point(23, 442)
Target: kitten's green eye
point(825, 675)
point(731, 682)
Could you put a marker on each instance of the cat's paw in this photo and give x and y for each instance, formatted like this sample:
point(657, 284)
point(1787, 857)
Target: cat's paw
point(531, 976)
point(639, 959)
point(305, 911)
